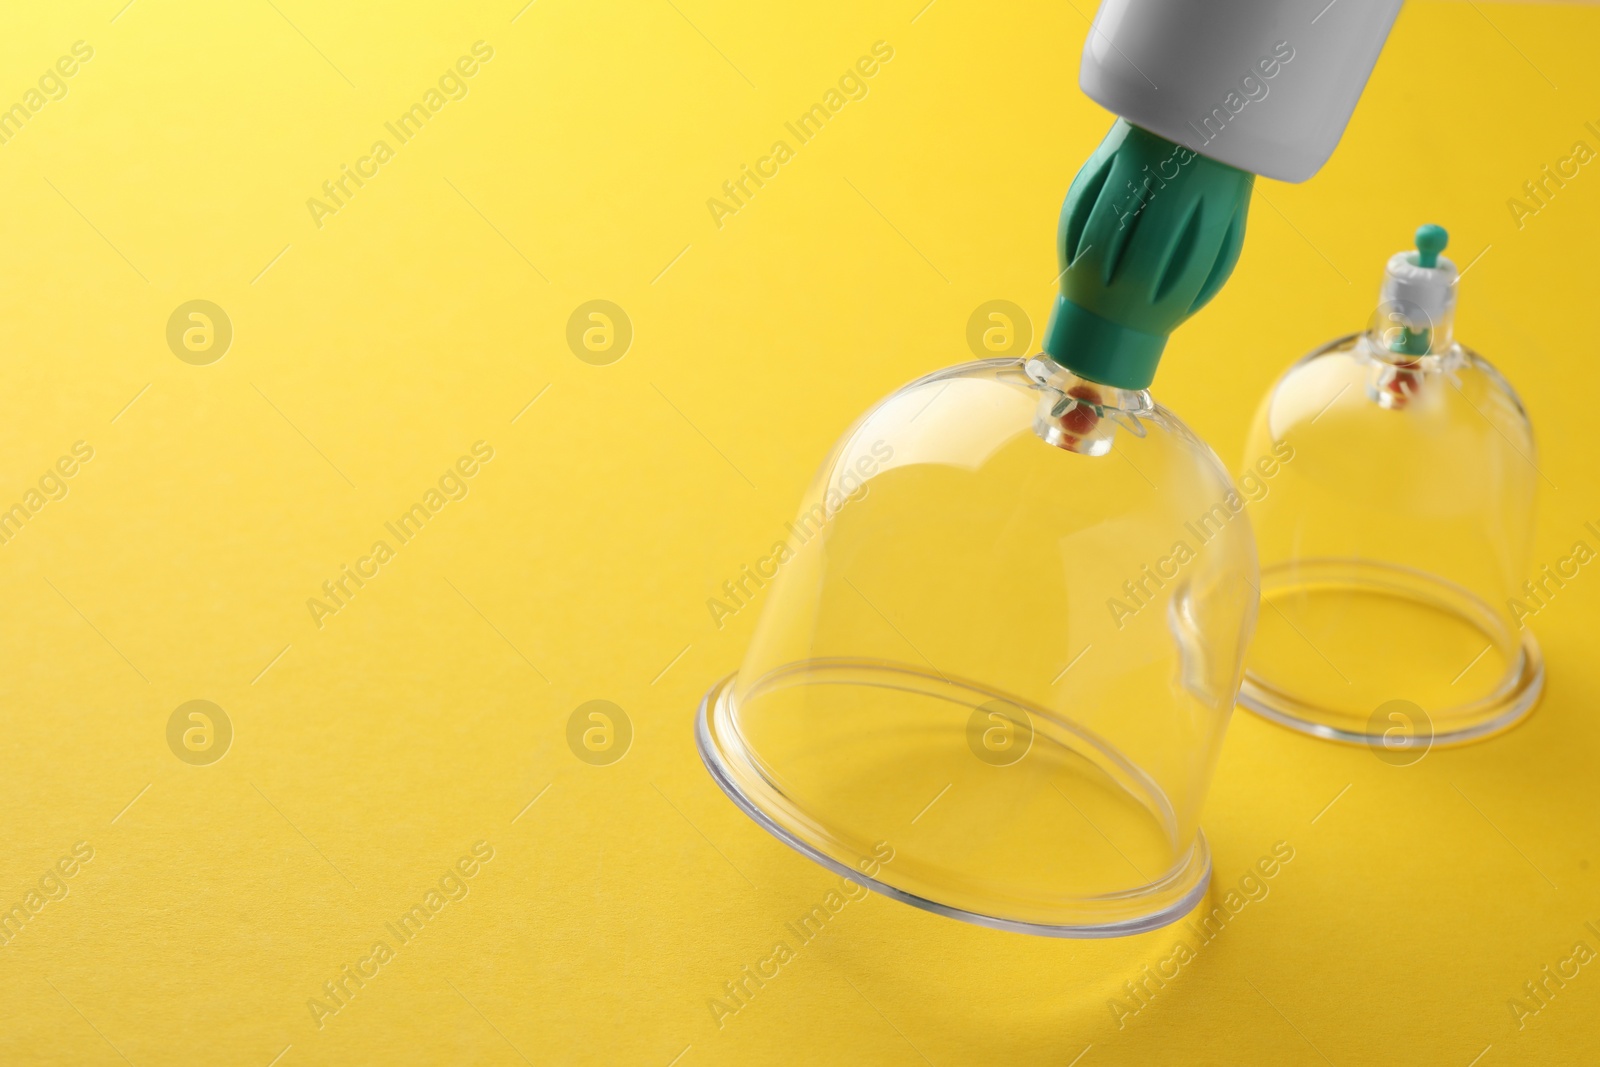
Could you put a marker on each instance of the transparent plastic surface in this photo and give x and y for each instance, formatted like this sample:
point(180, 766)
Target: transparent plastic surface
point(1393, 547)
point(1005, 650)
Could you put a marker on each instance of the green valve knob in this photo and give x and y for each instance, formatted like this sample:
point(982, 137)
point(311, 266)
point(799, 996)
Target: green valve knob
point(1149, 232)
point(1431, 240)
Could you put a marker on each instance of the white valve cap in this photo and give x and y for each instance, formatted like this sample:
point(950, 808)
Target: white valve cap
point(1420, 298)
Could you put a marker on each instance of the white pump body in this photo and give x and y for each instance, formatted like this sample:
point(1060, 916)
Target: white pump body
point(1263, 85)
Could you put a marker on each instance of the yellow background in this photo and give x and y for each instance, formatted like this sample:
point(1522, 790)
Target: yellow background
point(369, 354)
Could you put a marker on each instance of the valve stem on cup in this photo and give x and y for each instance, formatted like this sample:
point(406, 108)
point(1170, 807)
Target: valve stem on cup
point(1081, 416)
point(1414, 320)
point(1394, 385)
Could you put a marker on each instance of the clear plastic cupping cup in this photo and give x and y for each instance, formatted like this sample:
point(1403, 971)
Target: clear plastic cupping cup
point(992, 676)
point(1007, 646)
point(1393, 477)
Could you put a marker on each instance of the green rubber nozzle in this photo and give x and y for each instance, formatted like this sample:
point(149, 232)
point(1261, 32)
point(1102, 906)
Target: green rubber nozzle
point(1150, 230)
point(1431, 240)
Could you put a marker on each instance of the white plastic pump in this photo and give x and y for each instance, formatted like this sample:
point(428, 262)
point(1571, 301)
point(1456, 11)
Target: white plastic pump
point(1266, 86)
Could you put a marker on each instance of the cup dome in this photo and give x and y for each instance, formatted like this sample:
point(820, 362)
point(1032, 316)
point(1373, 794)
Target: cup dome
point(1393, 551)
point(1003, 651)
point(1394, 546)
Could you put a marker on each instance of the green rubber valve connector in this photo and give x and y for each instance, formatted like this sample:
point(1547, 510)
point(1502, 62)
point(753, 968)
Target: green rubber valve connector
point(1150, 230)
